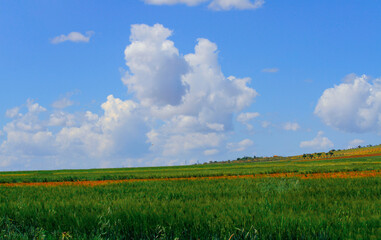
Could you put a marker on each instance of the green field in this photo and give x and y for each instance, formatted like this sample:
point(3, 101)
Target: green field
point(259, 208)
point(226, 169)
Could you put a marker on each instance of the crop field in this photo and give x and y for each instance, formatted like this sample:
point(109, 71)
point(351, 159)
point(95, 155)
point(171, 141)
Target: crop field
point(286, 199)
point(207, 170)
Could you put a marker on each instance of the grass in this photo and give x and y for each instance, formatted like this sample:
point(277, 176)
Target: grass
point(301, 166)
point(206, 209)
point(236, 208)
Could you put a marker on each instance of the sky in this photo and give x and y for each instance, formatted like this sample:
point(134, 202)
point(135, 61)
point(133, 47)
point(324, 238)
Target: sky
point(97, 84)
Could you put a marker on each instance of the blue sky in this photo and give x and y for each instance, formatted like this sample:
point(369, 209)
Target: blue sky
point(165, 82)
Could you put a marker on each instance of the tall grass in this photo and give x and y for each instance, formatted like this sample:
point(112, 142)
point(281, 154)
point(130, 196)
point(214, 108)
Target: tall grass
point(203, 209)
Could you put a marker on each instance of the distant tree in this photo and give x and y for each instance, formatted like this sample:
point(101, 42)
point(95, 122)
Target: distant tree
point(304, 155)
point(318, 154)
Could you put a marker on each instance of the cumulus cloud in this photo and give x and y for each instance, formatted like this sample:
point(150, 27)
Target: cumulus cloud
point(156, 68)
point(178, 144)
point(319, 142)
point(62, 119)
point(240, 146)
point(203, 101)
point(216, 5)
point(355, 143)
point(210, 152)
point(13, 112)
point(244, 118)
point(62, 103)
point(73, 37)
point(119, 132)
point(26, 134)
point(34, 107)
point(183, 109)
point(349, 78)
point(291, 126)
point(352, 106)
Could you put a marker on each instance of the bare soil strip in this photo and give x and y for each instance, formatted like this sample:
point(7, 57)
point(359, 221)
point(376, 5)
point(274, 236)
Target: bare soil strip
point(350, 174)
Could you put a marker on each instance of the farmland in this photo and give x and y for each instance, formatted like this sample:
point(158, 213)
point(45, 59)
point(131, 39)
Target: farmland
point(284, 199)
point(226, 169)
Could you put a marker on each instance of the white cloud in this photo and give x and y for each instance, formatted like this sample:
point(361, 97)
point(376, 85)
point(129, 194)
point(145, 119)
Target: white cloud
point(192, 85)
point(62, 119)
point(73, 37)
point(34, 107)
point(215, 126)
point(352, 106)
point(155, 65)
point(175, 145)
point(119, 132)
point(203, 100)
point(355, 143)
point(319, 142)
point(213, 4)
point(240, 146)
point(244, 118)
point(4, 162)
point(183, 111)
point(350, 78)
point(11, 113)
point(26, 134)
point(210, 152)
point(270, 70)
point(62, 103)
point(291, 126)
